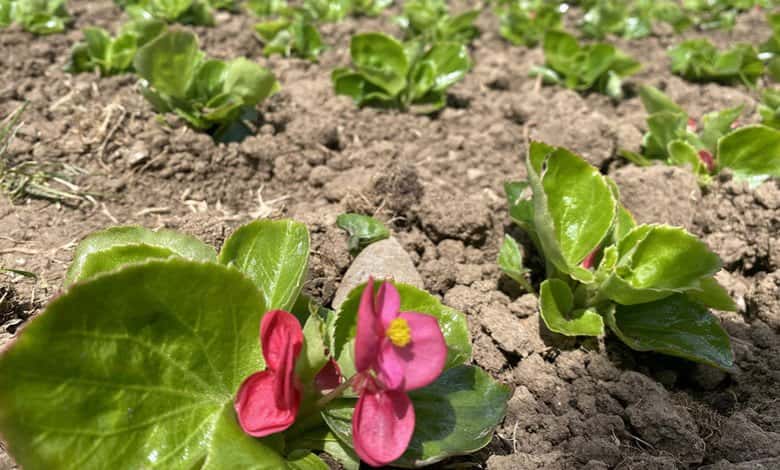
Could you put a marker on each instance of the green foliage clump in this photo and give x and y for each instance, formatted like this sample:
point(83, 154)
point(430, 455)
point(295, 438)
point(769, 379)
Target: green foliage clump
point(769, 109)
point(109, 55)
point(631, 20)
point(651, 285)
point(769, 51)
point(211, 95)
point(386, 73)
point(430, 20)
point(192, 12)
point(751, 152)
point(525, 22)
point(700, 61)
point(293, 35)
point(36, 16)
point(596, 67)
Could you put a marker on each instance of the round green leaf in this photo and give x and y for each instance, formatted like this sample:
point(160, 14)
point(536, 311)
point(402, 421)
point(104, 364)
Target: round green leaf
point(455, 415)
point(179, 244)
point(452, 323)
point(381, 60)
point(121, 255)
point(674, 326)
point(274, 254)
point(169, 62)
point(751, 151)
point(137, 368)
point(556, 302)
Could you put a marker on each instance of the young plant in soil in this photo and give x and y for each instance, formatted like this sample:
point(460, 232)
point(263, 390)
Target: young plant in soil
point(651, 285)
point(35, 16)
point(769, 51)
point(109, 55)
point(293, 35)
point(631, 20)
point(596, 67)
point(431, 21)
point(153, 352)
point(751, 152)
point(327, 10)
point(719, 14)
point(209, 94)
point(263, 8)
point(193, 12)
point(388, 74)
point(698, 60)
point(526, 22)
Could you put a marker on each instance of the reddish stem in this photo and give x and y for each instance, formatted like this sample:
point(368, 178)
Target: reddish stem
point(590, 260)
point(706, 158)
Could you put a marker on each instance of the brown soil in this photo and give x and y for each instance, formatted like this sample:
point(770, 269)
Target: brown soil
point(438, 182)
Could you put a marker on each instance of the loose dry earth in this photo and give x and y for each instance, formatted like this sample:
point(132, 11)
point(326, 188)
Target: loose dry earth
point(437, 181)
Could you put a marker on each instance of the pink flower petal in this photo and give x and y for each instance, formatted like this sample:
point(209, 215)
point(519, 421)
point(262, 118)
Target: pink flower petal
point(425, 356)
point(387, 303)
point(367, 336)
point(390, 366)
point(258, 413)
point(382, 426)
point(282, 339)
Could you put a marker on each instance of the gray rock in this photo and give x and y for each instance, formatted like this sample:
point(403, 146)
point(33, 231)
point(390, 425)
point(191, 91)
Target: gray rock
point(384, 259)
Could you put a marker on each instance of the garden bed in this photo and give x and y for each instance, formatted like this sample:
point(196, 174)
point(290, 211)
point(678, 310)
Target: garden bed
point(437, 182)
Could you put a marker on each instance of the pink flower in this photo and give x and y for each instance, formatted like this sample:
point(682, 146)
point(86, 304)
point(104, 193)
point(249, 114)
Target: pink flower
point(268, 401)
point(395, 352)
point(329, 377)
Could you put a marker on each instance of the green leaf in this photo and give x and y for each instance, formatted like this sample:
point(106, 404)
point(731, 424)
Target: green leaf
point(363, 230)
point(450, 63)
point(655, 101)
point(713, 295)
point(674, 326)
point(323, 439)
point(556, 303)
point(119, 256)
point(510, 260)
point(573, 208)
point(97, 243)
point(717, 124)
point(273, 254)
point(248, 81)
point(169, 62)
point(682, 153)
point(521, 209)
point(452, 323)
point(312, 358)
point(456, 415)
point(656, 261)
point(144, 375)
point(381, 60)
point(751, 151)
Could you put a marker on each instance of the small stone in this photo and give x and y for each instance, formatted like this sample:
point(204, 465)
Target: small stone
point(384, 259)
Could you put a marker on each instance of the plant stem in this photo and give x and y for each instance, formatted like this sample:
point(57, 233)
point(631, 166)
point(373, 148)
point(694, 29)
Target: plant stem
point(336, 392)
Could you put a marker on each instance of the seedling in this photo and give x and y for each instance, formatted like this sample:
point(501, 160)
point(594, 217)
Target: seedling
point(526, 22)
point(294, 35)
point(211, 95)
point(751, 152)
point(370, 7)
point(769, 51)
point(386, 73)
point(718, 14)
point(631, 20)
point(35, 16)
point(327, 10)
point(651, 284)
point(430, 20)
point(363, 230)
point(194, 12)
point(153, 346)
point(263, 8)
point(598, 67)
point(109, 55)
point(700, 61)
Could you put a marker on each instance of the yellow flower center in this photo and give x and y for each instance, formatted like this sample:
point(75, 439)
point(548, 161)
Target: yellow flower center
point(399, 332)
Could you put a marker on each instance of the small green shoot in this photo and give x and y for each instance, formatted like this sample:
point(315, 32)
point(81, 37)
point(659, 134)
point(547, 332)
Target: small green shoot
point(596, 67)
point(699, 60)
point(363, 230)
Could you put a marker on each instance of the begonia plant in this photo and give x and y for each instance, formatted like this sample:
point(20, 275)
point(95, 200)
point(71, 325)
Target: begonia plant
point(650, 284)
point(430, 20)
point(211, 95)
point(390, 74)
point(194, 12)
point(751, 152)
point(598, 67)
point(35, 16)
point(150, 358)
point(526, 22)
point(699, 60)
point(770, 108)
point(290, 35)
point(108, 55)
